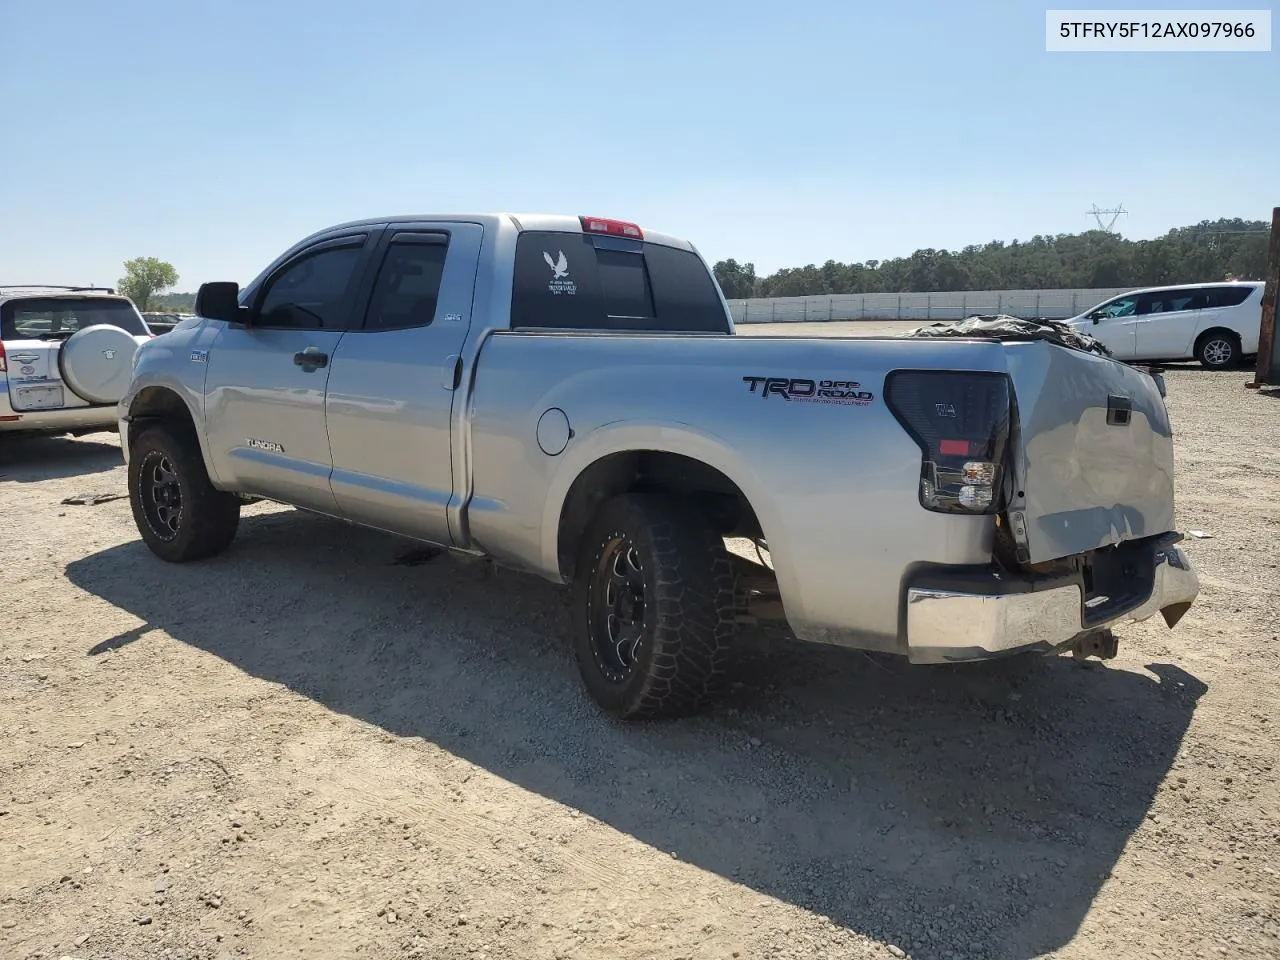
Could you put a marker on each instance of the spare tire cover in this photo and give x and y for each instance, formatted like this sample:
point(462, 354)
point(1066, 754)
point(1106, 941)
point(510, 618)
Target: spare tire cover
point(97, 362)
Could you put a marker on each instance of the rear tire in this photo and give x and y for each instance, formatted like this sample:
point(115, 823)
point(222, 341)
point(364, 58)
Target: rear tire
point(653, 608)
point(177, 510)
point(1218, 350)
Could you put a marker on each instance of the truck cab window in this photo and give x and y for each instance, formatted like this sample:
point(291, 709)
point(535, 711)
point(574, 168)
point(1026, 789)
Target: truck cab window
point(624, 285)
point(311, 292)
point(576, 282)
point(404, 295)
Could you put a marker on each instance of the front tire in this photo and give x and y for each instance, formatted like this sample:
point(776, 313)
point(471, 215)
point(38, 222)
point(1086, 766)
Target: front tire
point(177, 510)
point(1218, 350)
point(653, 608)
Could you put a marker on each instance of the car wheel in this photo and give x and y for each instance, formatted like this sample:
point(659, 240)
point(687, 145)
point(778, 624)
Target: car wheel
point(653, 605)
point(1218, 350)
point(177, 510)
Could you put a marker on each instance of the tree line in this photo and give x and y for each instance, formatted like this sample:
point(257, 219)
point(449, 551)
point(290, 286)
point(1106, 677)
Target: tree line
point(1212, 250)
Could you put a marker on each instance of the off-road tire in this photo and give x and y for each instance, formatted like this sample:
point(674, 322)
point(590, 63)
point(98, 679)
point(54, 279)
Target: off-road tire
point(685, 641)
point(206, 519)
point(1218, 350)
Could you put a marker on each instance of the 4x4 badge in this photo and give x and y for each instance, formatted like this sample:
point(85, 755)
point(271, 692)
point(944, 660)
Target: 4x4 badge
point(199, 356)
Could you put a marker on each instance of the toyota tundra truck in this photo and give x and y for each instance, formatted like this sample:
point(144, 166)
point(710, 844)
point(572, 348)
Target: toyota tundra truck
point(567, 396)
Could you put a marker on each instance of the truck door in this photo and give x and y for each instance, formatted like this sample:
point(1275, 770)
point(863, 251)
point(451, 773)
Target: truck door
point(391, 393)
point(265, 384)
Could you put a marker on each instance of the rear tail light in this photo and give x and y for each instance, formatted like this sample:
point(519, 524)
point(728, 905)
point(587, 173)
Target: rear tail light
point(613, 228)
point(4, 363)
point(961, 421)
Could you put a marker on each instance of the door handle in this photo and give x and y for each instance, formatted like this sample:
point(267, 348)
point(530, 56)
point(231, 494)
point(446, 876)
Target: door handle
point(311, 358)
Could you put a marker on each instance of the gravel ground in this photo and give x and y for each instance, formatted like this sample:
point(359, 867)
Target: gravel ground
point(304, 748)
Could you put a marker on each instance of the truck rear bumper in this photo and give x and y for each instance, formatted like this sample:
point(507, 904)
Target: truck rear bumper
point(979, 618)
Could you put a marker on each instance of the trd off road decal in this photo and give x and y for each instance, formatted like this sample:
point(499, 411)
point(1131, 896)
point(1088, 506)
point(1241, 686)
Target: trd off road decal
point(848, 392)
point(560, 284)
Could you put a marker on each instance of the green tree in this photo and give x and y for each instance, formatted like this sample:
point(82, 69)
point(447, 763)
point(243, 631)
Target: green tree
point(737, 280)
point(144, 278)
point(1207, 252)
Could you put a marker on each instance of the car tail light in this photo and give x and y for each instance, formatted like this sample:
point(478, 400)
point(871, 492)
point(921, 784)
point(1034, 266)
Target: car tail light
point(961, 421)
point(615, 228)
point(4, 363)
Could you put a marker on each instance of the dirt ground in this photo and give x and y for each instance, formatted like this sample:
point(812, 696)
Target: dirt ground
point(304, 748)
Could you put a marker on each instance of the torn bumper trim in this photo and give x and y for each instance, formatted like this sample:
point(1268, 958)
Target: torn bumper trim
point(951, 624)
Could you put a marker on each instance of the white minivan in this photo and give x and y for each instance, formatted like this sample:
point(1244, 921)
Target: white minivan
point(1215, 323)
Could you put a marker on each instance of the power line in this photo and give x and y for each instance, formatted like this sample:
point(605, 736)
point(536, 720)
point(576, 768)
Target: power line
point(1114, 214)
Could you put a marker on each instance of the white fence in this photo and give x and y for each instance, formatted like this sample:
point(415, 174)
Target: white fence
point(1043, 304)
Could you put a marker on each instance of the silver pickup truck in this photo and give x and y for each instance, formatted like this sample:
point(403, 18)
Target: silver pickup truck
point(566, 396)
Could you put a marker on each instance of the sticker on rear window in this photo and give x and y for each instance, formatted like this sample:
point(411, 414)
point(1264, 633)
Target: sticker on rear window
point(560, 284)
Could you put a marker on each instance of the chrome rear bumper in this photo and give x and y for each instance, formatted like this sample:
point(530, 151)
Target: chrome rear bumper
point(951, 626)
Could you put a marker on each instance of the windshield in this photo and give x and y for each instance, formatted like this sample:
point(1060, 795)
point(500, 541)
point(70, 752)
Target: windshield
point(49, 318)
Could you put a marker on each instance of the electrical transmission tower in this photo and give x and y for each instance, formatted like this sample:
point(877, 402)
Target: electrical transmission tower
point(1115, 215)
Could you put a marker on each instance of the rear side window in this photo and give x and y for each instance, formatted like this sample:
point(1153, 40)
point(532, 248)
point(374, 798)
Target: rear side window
point(578, 282)
point(1171, 301)
point(408, 283)
point(1229, 296)
point(56, 318)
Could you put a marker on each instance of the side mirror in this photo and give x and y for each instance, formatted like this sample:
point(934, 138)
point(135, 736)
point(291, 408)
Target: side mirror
point(220, 301)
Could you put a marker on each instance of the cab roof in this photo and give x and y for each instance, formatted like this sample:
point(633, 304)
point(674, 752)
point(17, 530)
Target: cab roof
point(521, 222)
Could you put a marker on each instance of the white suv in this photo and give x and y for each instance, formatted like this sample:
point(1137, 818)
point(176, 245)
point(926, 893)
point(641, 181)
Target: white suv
point(66, 355)
point(1215, 323)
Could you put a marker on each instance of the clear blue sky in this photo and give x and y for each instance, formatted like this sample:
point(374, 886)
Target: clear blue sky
point(214, 134)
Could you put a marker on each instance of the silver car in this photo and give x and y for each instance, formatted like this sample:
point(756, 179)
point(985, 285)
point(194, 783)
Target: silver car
point(567, 396)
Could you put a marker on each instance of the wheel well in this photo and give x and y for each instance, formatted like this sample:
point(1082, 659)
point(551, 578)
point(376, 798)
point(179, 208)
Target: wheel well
point(704, 487)
point(1231, 334)
point(161, 405)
